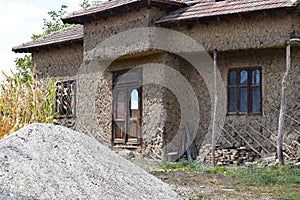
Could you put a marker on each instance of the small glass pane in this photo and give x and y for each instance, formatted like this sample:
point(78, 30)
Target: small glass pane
point(256, 99)
point(244, 78)
point(244, 100)
point(120, 110)
point(256, 77)
point(134, 100)
point(232, 78)
point(232, 100)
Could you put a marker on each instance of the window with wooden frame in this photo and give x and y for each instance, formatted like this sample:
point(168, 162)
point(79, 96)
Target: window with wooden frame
point(245, 91)
point(65, 99)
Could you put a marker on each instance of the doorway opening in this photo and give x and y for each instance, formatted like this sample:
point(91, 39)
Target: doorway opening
point(127, 107)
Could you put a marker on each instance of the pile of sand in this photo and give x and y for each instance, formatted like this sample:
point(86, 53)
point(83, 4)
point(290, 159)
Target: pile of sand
point(52, 162)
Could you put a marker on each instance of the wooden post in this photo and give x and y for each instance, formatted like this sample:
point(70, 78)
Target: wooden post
point(215, 108)
point(282, 113)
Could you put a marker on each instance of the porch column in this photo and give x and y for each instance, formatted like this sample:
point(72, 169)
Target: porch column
point(282, 113)
point(215, 54)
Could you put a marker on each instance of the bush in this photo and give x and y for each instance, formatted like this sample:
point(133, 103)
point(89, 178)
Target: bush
point(23, 102)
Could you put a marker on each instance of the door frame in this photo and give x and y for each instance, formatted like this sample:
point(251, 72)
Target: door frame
point(128, 87)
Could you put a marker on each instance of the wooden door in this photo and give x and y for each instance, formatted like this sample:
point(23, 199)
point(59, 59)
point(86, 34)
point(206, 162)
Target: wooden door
point(119, 122)
point(134, 116)
point(127, 109)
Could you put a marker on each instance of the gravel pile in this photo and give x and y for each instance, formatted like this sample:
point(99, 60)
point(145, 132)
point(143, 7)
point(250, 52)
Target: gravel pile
point(52, 162)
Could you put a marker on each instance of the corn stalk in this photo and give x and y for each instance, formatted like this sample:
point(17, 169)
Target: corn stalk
point(23, 103)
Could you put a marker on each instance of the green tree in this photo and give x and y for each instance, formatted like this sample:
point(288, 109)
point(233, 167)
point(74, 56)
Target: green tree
point(22, 100)
point(54, 24)
point(24, 68)
point(86, 3)
point(24, 64)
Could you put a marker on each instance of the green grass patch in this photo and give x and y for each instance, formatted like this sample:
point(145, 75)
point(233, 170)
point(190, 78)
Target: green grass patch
point(267, 175)
point(245, 175)
point(282, 182)
point(278, 182)
point(196, 166)
point(187, 165)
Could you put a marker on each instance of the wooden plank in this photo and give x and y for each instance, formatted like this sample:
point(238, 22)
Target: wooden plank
point(262, 146)
point(229, 135)
point(270, 141)
point(296, 142)
point(245, 140)
point(288, 116)
point(286, 145)
point(225, 139)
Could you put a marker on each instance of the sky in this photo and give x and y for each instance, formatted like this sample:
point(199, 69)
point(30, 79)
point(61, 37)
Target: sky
point(19, 19)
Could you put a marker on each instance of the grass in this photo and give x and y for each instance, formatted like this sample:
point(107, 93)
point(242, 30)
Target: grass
point(267, 175)
point(187, 165)
point(280, 182)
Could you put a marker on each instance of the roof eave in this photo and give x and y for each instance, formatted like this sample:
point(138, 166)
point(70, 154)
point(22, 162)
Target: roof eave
point(38, 48)
point(85, 17)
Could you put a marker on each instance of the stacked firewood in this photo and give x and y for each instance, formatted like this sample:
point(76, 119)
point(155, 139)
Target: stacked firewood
point(229, 156)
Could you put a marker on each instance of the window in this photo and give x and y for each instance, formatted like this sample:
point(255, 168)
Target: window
point(245, 91)
point(65, 99)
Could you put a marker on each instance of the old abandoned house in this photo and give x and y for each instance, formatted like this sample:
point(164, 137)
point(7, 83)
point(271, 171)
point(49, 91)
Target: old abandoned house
point(118, 107)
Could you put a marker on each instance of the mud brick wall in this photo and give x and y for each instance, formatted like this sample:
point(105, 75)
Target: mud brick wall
point(256, 31)
point(95, 99)
point(59, 64)
point(256, 40)
point(273, 65)
point(99, 30)
point(159, 103)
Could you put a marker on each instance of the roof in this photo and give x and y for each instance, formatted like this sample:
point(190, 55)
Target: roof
point(193, 9)
point(109, 8)
point(73, 34)
point(211, 8)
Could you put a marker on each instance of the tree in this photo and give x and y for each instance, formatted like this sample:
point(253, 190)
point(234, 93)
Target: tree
point(24, 64)
point(22, 100)
point(54, 24)
point(86, 3)
point(24, 68)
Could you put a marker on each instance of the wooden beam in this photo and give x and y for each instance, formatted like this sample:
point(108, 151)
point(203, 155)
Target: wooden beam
point(224, 138)
point(213, 137)
point(282, 113)
point(237, 142)
point(273, 135)
point(253, 138)
point(288, 116)
point(271, 142)
point(245, 140)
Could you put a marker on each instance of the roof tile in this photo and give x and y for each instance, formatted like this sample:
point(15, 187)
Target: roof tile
point(110, 5)
point(66, 35)
point(196, 9)
point(209, 8)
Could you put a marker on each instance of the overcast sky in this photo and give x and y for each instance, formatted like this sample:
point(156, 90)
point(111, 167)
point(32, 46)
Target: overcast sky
point(19, 19)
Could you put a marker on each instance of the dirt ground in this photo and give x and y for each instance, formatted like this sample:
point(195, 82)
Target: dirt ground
point(194, 185)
